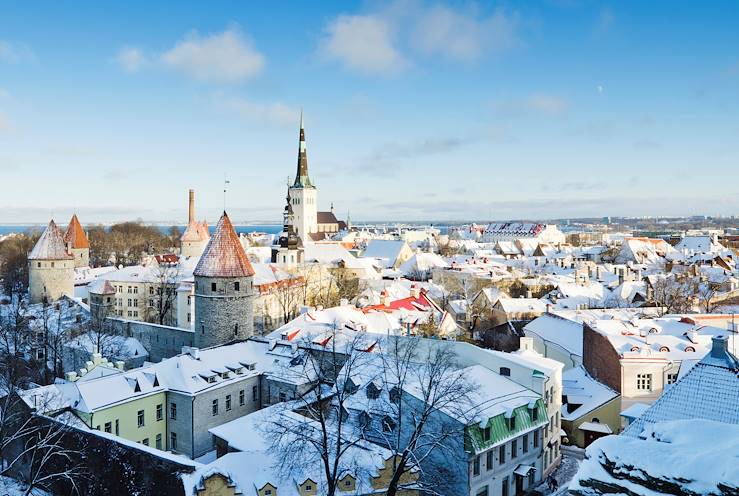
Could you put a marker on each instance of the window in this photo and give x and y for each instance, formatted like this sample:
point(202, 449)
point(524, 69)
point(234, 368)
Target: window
point(644, 382)
point(136, 302)
point(501, 454)
point(514, 449)
point(215, 407)
point(534, 414)
point(173, 441)
point(117, 430)
point(476, 466)
point(505, 371)
point(283, 397)
point(173, 411)
point(135, 290)
point(151, 290)
point(512, 422)
point(145, 442)
point(489, 460)
point(228, 402)
point(108, 427)
point(129, 289)
point(486, 434)
point(236, 329)
point(483, 491)
point(504, 487)
point(160, 413)
point(241, 398)
point(141, 418)
point(525, 443)
point(159, 441)
point(130, 302)
point(213, 287)
point(236, 286)
point(671, 378)
point(254, 393)
point(388, 425)
point(536, 439)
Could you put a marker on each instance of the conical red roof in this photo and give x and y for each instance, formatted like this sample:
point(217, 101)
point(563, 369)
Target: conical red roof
point(75, 234)
point(50, 246)
point(224, 256)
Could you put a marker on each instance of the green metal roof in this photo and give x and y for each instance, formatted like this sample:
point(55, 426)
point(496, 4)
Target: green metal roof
point(499, 431)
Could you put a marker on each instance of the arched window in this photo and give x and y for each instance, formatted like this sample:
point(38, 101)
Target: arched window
point(664, 349)
point(634, 348)
point(505, 371)
point(690, 349)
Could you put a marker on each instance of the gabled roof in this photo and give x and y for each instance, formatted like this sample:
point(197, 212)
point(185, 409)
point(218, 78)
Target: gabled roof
point(50, 246)
point(326, 218)
point(224, 256)
point(75, 235)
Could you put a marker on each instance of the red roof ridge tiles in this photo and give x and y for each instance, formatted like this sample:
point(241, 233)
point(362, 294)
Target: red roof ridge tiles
point(224, 256)
point(75, 235)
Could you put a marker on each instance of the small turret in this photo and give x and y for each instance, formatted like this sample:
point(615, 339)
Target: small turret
point(50, 267)
point(77, 243)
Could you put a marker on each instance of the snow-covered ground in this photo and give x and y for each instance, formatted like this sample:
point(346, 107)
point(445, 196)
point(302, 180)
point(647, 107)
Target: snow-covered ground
point(11, 487)
point(564, 474)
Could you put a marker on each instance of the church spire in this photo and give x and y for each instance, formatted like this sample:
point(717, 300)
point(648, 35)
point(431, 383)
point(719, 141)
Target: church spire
point(301, 177)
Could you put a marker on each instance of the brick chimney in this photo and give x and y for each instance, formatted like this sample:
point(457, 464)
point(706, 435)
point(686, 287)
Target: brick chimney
point(191, 207)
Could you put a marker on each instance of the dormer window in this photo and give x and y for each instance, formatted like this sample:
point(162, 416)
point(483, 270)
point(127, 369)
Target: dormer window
point(664, 349)
point(373, 392)
point(690, 349)
point(634, 348)
point(505, 371)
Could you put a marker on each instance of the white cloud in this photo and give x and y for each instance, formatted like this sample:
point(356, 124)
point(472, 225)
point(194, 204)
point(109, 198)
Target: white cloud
point(131, 59)
point(364, 43)
point(227, 57)
point(276, 113)
point(536, 104)
point(546, 104)
point(462, 35)
point(15, 52)
point(4, 123)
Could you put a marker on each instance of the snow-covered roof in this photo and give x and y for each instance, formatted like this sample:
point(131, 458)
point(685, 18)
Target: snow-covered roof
point(710, 390)
point(224, 256)
point(522, 305)
point(422, 262)
point(386, 250)
point(584, 394)
point(689, 456)
point(564, 332)
point(667, 338)
point(50, 246)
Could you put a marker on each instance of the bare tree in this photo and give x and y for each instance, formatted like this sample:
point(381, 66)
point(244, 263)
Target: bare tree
point(313, 430)
point(288, 294)
point(674, 294)
point(423, 382)
point(162, 296)
point(706, 292)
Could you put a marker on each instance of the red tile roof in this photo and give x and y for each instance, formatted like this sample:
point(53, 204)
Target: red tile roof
point(224, 256)
point(50, 246)
point(410, 303)
point(196, 231)
point(75, 234)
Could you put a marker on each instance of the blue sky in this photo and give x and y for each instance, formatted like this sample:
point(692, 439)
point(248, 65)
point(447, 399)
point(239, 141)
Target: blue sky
point(414, 110)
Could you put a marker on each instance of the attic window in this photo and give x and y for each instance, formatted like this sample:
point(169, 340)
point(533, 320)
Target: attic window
point(635, 348)
point(136, 387)
point(653, 330)
point(690, 349)
point(534, 412)
point(156, 381)
point(395, 394)
point(486, 434)
point(664, 349)
point(505, 371)
point(511, 422)
point(373, 392)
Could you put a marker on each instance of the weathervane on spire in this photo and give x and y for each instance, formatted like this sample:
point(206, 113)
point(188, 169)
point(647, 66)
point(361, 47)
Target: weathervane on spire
point(226, 182)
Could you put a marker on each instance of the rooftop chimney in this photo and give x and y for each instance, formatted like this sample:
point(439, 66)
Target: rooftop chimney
point(720, 346)
point(191, 207)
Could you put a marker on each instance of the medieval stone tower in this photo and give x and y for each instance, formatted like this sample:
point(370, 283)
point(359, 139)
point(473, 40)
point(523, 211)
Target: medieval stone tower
point(224, 290)
point(303, 194)
point(196, 235)
point(50, 267)
point(77, 243)
point(101, 301)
